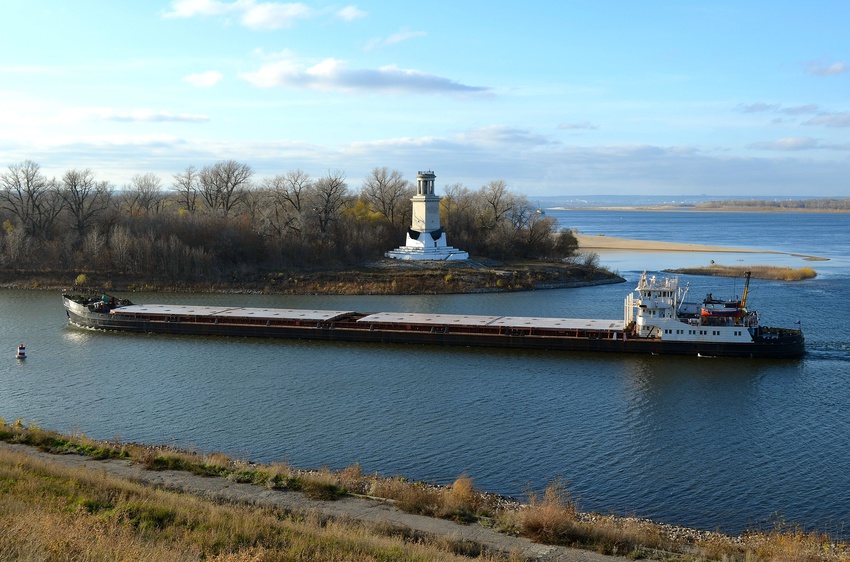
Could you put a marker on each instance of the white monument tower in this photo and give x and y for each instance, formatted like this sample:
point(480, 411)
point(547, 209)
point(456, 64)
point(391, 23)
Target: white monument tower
point(426, 239)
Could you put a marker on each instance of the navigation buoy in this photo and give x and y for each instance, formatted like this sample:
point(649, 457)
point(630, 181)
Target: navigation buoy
point(22, 352)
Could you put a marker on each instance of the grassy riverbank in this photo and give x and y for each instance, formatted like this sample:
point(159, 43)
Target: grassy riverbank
point(758, 272)
point(50, 511)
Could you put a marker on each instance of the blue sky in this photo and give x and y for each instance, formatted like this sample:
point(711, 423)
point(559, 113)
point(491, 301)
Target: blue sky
point(554, 97)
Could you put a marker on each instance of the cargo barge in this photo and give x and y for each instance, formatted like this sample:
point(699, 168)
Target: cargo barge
point(657, 320)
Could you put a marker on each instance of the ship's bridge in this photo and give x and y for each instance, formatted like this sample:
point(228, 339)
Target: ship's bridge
point(656, 301)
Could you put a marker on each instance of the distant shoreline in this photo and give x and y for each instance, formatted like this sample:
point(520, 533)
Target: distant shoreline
point(695, 209)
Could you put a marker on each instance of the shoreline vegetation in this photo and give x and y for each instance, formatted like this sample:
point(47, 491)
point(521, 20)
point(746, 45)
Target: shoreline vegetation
point(72, 497)
point(385, 277)
point(758, 272)
point(819, 205)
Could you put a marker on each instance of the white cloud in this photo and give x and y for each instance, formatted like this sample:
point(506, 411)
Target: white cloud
point(273, 15)
point(800, 109)
point(256, 14)
point(334, 74)
point(191, 8)
point(578, 125)
point(822, 69)
point(131, 115)
point(395, 38)
point(471, 157)
point(557, 169)
point(350, 13)
point(112, 140)
point(403, 35)
point(787, 143)
point(204, 79)
point(831, 120)
point(498, 134)
point(757, 107)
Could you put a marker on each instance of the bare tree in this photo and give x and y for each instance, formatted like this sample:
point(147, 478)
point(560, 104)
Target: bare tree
point(534, 232)
point(497, 202)
point(85, 198)
point(186, 186)
point(121, 245)
point(94, 244)
point(295, 184)
point(30, 197)
point(18, 245)
point(144, 194)
point(223, 185)
point(287, 192)
point(386, 192)
point(329, 196)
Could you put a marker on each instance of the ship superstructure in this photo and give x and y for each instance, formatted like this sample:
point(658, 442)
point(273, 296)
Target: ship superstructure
point(657, 309)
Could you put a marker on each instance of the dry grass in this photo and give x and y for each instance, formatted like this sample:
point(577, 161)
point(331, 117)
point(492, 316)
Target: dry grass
point(47, 513)
point(459, 502)
point(52, 513)
point(550, 518)
point(780, 545)
point(758, 272)
point(553, 518)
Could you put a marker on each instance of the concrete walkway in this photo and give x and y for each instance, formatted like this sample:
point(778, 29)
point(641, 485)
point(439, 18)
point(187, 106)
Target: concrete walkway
point(359, 509)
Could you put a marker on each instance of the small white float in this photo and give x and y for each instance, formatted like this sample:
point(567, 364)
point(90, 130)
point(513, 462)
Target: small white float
point(22, 352)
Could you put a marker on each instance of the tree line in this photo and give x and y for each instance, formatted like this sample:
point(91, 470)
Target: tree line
point(818, 204)
point(220, 220)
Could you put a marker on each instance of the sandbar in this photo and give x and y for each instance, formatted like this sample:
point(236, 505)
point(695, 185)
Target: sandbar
point(587, 242)
point(598, 242)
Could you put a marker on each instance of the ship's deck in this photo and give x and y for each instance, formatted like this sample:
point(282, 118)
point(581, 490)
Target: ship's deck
point(399, 318)
point(473, 320)
point(232, 312)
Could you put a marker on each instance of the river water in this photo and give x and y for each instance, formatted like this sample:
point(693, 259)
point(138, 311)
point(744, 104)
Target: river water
point(707, 443)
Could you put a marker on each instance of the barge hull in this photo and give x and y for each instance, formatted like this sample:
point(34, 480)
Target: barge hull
point(784, 344)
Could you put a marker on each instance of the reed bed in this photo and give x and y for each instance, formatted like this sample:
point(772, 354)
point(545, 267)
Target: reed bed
point(51, 513)
point(772, 272)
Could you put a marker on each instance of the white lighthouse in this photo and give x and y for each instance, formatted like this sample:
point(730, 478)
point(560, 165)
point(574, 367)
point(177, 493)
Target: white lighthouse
point(426, 239)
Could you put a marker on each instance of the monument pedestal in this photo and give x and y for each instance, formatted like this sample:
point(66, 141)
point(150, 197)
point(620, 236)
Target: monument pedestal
point(426, 247)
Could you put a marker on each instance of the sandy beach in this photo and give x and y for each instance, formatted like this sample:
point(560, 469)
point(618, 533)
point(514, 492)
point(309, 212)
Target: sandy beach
point(598, 242)
point(593, 243)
